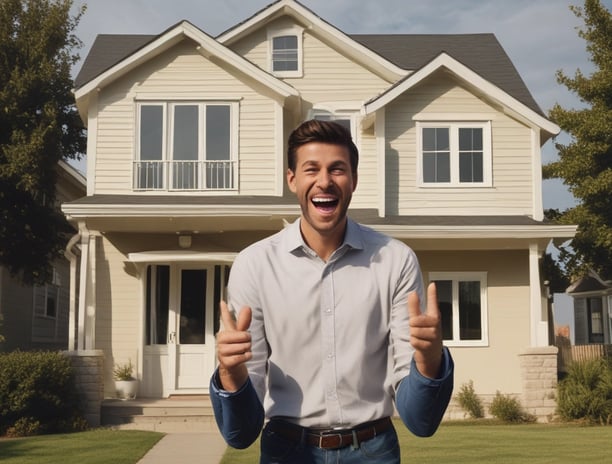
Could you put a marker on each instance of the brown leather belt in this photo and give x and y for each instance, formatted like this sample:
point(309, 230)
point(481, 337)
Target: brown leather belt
point(330, 438)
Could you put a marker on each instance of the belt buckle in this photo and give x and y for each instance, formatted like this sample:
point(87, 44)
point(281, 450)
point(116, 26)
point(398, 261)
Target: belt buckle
point(327, 436)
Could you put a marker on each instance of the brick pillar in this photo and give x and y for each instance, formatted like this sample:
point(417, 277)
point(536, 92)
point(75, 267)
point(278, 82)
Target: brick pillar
point(539, 380)
point(88, 368)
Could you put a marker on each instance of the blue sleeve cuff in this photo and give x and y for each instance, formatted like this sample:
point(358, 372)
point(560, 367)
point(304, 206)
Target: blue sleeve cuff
point(421, 402)
point(239, 415)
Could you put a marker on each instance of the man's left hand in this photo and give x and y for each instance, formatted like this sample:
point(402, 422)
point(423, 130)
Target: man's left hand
point(426, 332)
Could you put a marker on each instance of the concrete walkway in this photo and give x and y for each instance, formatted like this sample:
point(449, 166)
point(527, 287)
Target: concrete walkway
point(187, 447)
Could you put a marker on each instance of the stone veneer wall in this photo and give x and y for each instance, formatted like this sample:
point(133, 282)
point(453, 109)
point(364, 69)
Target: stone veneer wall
point(89, 371)
point(539, 379)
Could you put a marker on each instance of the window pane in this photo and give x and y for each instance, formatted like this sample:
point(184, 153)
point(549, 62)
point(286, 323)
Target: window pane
point(436, 154)
point(185, 146)
point(151, 132)
point(470, 167)
point(470, 155)
point(219, 173)
point(469, 311)
point(285, 53)
point(445, 304)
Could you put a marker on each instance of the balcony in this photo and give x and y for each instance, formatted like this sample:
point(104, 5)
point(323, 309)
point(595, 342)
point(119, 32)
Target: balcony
point(185, 175)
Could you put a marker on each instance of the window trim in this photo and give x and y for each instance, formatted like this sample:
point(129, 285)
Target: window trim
point(455, 277)
point(487, 153)
point(168, 139)
point(296, 31)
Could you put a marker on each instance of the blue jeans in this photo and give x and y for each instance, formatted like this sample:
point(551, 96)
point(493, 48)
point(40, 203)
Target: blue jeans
point(382, 449)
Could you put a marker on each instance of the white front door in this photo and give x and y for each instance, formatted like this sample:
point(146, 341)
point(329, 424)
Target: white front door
point(191, 339)
point(179, 355)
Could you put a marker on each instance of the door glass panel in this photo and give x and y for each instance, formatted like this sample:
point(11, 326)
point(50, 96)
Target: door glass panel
point(218, 147)
point(193, 306)
point(158, 297)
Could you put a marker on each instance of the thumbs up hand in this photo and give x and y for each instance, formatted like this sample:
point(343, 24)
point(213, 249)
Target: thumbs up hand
point(234, 348)
point(426, 332)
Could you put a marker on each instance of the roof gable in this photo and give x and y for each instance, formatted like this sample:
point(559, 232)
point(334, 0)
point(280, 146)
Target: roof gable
point(318, 26)
point(135, 50)
point(474, 80)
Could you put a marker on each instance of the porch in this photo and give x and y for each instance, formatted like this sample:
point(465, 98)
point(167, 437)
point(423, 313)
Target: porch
point(176, 414)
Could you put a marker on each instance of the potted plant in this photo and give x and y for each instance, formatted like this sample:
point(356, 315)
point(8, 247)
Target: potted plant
point(126, 384)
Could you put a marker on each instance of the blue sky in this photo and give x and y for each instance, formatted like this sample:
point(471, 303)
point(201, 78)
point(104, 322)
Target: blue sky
point(540, 36)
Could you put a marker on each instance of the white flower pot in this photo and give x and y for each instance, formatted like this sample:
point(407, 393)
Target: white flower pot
point(126, 389)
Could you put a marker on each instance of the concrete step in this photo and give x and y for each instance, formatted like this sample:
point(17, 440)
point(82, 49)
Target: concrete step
point(172, 415)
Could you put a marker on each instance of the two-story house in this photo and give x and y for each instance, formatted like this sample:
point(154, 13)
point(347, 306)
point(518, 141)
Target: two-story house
point(186, 166)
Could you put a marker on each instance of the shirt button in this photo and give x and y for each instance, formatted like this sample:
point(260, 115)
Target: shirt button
point(328, 310)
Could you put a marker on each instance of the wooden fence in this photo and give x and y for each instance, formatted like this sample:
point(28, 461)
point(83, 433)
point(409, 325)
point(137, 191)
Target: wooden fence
point(570, 353)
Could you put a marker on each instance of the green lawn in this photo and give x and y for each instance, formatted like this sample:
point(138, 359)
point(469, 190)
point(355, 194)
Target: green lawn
point(460, 443)
point(100, 446)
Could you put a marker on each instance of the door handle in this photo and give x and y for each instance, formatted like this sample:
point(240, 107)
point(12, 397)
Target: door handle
point(172, 338)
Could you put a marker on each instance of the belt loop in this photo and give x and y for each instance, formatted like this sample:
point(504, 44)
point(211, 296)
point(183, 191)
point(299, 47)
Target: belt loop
point(355, 440)
point(304, 433)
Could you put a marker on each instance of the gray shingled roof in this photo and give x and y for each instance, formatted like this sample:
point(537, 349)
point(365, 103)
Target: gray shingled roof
point(480, 52)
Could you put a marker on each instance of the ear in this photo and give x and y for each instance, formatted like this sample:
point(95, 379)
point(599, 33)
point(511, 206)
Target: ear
point(291, 180)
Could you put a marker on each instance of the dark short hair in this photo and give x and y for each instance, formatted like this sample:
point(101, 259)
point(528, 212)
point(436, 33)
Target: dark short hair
point(316, 130)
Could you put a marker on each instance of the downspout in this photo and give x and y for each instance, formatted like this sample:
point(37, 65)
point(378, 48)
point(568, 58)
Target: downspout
point(72, 257)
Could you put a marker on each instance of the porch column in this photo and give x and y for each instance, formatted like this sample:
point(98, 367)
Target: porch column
point(538, 314)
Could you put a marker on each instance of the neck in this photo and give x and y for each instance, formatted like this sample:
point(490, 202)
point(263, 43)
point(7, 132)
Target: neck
point(323, 243)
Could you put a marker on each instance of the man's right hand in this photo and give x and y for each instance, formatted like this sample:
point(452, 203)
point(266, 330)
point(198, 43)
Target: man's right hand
point(234, 348)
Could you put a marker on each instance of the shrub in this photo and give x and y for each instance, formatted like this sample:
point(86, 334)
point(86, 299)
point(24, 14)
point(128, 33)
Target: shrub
point(37, 394)
point(469, 401)
point(586, 392)
point(509, 409)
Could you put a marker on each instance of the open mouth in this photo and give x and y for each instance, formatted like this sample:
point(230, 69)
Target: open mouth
point(324, 204)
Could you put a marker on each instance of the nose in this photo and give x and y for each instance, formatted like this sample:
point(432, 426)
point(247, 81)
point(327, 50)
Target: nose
point(324, 179)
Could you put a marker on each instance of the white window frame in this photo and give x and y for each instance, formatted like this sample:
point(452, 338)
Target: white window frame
point(168, 139)
point(487, 164)
point(456, 277)
point(42, 293)
point(291, 31)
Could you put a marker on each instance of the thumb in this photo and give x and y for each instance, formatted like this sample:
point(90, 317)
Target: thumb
point(227, 319)
point(244, 319)
point(432, 300)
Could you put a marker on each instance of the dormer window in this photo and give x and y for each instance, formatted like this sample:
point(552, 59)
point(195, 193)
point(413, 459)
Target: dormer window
point(286, 52)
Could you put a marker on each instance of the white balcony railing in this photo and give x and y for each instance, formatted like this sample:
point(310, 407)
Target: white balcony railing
point(185, 175)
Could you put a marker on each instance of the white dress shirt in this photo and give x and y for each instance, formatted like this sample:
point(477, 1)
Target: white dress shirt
point(330, 340)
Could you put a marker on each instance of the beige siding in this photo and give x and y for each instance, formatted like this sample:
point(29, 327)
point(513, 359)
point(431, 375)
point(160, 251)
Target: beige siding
point(349, 82)
point(183, 74)
point(511, 192)
point(496, 367)
point(118, 309)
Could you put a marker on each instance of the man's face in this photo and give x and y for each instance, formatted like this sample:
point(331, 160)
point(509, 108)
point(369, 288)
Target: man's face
point(324, 184)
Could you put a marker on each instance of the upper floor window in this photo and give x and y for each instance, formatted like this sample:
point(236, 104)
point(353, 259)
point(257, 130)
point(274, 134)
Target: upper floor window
point(286, 52)
point(186, 146)
point(454, 154)
point(344, 119)
point(462, 299)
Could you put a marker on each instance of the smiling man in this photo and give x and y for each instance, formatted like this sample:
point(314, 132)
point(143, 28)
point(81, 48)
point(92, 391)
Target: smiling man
point(330, 332)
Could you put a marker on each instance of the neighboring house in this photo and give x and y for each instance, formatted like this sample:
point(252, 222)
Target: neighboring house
point(38, 317)
point(186, 167)
point(592, 310)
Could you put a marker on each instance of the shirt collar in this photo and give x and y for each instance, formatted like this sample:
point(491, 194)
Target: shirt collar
point(352, 239)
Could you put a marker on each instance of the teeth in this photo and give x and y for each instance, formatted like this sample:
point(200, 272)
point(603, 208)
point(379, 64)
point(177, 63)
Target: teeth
point(323, 200)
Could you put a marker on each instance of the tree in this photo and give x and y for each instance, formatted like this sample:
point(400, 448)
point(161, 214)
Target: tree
point(585, 163)
point(39, 126)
